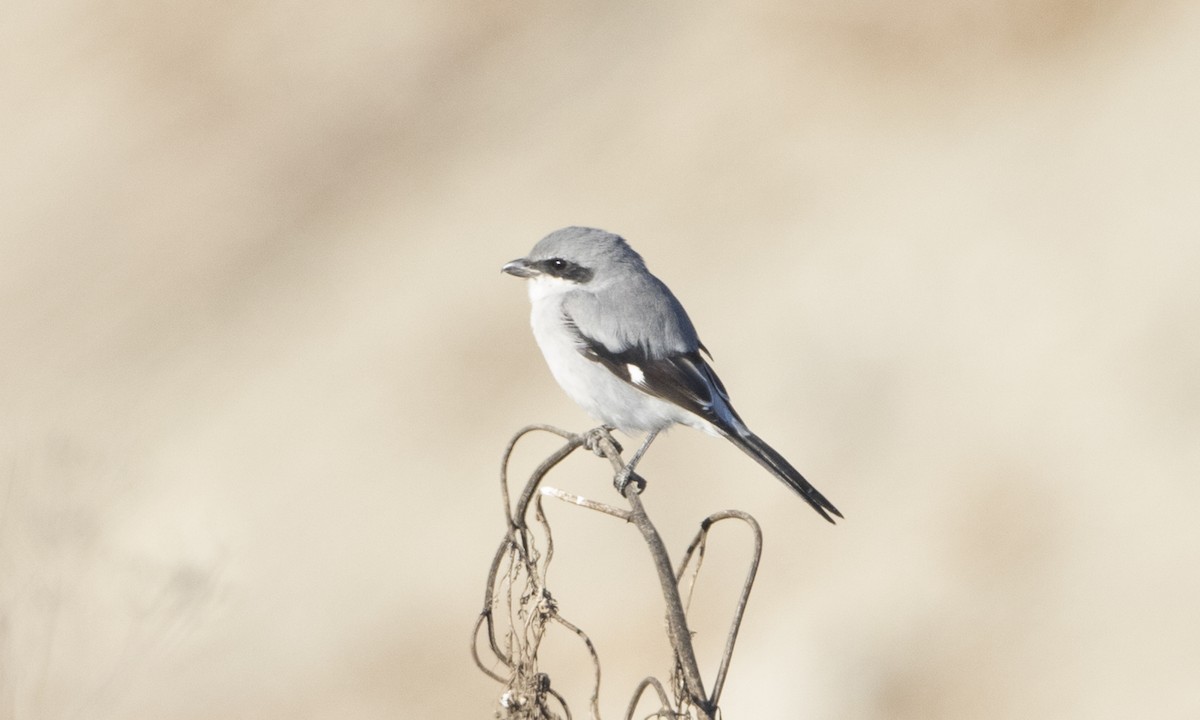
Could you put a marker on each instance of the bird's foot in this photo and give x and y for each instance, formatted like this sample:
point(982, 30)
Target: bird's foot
point(595, 438)
point(625, 476)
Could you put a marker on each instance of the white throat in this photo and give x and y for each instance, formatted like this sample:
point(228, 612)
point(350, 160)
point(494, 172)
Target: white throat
point(546, 286)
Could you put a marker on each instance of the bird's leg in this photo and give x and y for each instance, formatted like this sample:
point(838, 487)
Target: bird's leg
point(626, 474)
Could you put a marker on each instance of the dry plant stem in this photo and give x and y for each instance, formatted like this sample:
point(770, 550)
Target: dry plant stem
point(743, 598)
point(515, 539)
point(595, 700)
point(487, 617)
point(512, 443)
point(562, 702)
point(664, 704)
point(677, 628)
point(517, 518)
point(589, 504)
point(523, 560)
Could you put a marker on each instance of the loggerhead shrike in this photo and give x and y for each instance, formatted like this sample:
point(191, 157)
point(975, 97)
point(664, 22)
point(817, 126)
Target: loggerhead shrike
point(623, 348)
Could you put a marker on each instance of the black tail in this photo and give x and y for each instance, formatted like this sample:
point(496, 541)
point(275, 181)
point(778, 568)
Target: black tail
point(766, 456)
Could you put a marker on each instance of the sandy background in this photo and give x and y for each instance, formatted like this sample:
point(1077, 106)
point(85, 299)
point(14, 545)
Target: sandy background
point(257, 362)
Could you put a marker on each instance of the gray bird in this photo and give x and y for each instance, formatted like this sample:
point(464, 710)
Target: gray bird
point(624, 349)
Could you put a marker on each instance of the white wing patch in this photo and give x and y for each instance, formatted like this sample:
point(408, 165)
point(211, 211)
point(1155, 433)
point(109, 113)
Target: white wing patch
point(636, 376)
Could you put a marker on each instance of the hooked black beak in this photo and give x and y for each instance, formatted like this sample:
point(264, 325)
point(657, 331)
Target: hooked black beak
point(520, 268)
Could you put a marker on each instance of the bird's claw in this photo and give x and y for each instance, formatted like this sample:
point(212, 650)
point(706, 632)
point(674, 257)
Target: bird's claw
point(595, 438)
point(626, 476)
point(601, 442)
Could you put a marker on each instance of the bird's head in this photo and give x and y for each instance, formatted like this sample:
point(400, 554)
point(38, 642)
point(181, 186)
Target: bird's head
point(571, 258)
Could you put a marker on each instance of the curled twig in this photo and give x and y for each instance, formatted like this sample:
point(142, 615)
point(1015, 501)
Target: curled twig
point(664, 703)
point(740, 609)
point(518, 576)
point(516, 583)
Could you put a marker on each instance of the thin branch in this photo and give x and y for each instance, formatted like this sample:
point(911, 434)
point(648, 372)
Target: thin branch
point(488, 596)
point(677, 628)
point(486, 615)
point(508, 450)
point(589, 504)
point(664, 702)
point(595, 701)
point(518, 516)
point(743, 597)
point(520, 568)
point(562, 703)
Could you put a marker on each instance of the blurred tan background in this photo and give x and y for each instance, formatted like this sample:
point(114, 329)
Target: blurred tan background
point(257, 362)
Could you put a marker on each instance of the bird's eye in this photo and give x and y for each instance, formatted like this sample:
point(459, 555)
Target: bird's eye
point(565, 270)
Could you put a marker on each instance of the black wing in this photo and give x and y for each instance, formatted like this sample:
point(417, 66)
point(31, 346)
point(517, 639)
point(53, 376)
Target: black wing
point(684, 379)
